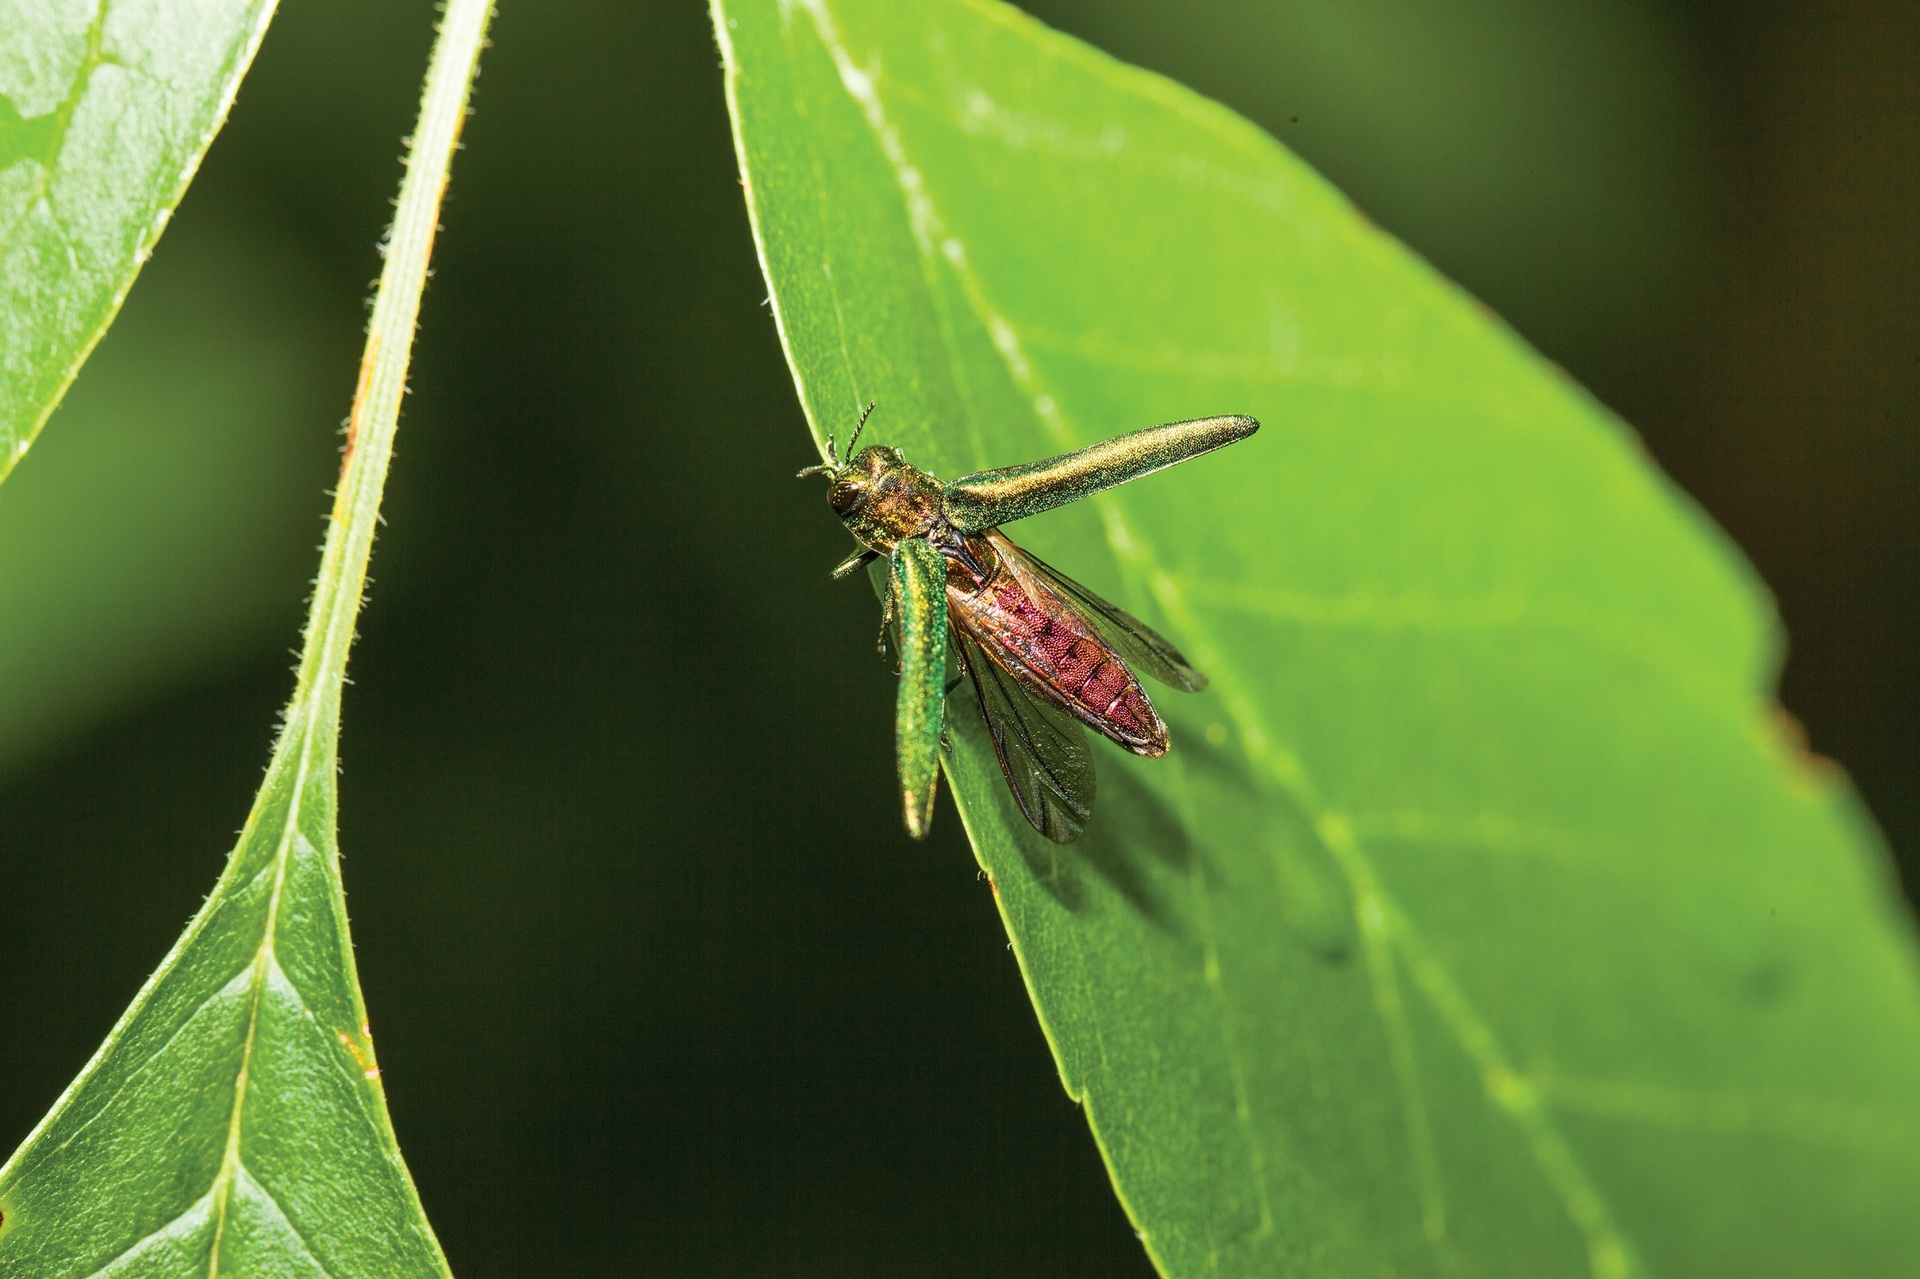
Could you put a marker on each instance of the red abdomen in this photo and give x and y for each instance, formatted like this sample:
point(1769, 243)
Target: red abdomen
point(1049, 645)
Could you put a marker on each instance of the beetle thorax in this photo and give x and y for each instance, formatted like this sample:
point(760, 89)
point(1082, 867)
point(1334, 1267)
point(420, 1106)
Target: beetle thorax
point(883, 499)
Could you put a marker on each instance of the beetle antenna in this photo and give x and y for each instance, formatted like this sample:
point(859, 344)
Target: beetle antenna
point(831, 467)
point(864, 415)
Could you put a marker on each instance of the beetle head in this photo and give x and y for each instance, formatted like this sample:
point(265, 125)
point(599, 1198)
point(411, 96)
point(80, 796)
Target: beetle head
point(862, 474)
point(849, 479)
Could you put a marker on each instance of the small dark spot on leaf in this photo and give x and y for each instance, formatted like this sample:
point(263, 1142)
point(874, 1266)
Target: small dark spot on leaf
point(1767, 981)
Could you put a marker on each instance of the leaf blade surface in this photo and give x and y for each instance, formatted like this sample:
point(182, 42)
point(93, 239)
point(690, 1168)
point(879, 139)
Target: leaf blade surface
point(1481, 920)
point(106, 107)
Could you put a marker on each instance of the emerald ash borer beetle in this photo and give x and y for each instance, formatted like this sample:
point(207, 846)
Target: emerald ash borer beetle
point(1045, 654)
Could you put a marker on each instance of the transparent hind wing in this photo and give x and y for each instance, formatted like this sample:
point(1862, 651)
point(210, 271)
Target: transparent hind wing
point(1042, 751)
point(1139, 645)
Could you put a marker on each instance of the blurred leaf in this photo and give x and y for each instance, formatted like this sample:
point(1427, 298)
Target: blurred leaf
point(167, 524)
point(1482, 920)
point(106, 107)
point(234, 1121)
point(1471, 127)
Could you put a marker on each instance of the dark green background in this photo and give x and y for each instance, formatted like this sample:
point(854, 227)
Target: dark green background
point(660, 986)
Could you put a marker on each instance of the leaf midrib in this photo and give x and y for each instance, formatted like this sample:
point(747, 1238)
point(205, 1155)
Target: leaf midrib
point(263, 957)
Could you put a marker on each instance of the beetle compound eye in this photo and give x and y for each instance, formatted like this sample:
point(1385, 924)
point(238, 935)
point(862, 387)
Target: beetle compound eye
point(846, 494)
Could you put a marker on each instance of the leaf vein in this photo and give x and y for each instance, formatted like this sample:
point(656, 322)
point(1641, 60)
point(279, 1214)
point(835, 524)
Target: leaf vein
point(1215, 976)
point(252, 1188)
point(1814, 1121)
point(1491, 832)
point(232, 985)
point(1501, 610)
point(177, 1227)
point(1371, 909)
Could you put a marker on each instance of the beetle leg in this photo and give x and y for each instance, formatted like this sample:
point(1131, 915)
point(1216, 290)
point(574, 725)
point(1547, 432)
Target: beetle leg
point(854, 563)
point(886, 620)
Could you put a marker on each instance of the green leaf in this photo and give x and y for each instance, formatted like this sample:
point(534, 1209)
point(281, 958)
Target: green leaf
point(234, 1121)
point(106, 107)
point(1482, 921)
